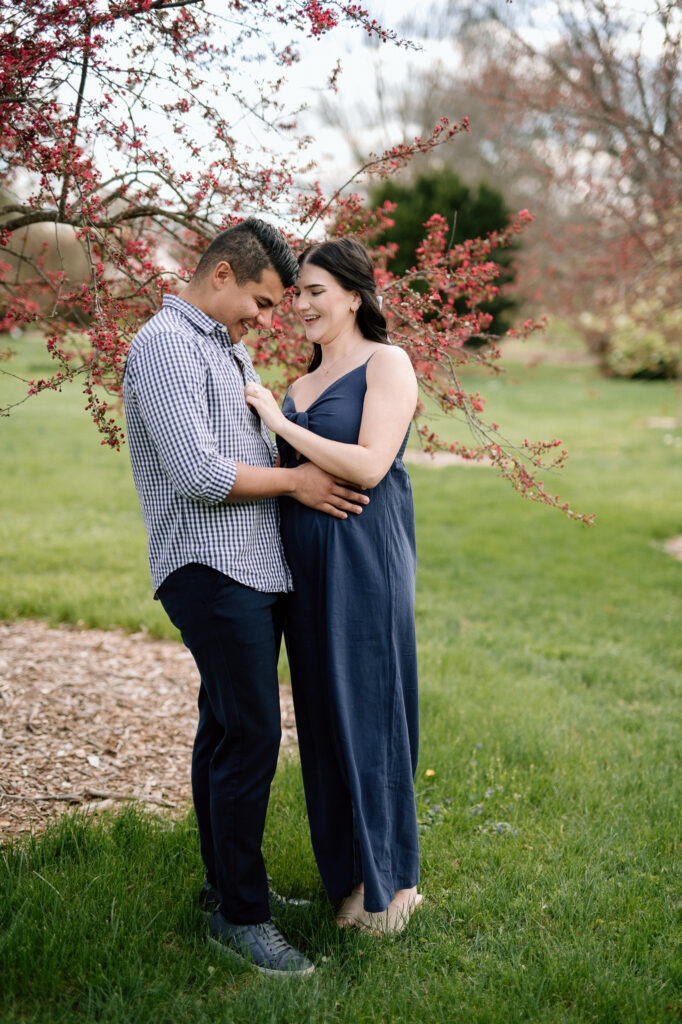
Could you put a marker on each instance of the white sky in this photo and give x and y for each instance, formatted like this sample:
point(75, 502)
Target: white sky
point(356, 84)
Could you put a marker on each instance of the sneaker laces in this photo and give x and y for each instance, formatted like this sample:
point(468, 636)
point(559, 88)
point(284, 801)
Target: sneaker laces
point(274, 938)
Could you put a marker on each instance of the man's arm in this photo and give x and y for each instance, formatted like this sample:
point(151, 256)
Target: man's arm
point(168, 384)
point(166, 380)
point(307, 483)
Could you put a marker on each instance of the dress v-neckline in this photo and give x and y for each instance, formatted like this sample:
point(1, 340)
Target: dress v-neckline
point(328, 387)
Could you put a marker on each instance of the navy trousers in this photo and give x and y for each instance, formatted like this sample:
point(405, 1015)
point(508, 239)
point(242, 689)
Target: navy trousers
point(234, 634)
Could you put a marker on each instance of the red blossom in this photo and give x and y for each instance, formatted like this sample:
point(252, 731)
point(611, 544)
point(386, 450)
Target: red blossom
point(141, 215)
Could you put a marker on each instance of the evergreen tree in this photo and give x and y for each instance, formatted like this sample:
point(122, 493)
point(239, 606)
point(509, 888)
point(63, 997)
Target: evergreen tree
point(473, 211)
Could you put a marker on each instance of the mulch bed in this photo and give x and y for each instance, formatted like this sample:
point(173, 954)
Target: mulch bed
point(91, 718)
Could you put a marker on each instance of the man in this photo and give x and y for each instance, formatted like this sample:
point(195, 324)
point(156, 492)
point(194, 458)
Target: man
point(204, 469)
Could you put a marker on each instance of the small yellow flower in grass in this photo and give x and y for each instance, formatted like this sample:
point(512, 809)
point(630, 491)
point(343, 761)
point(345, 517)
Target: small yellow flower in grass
point(429, 772)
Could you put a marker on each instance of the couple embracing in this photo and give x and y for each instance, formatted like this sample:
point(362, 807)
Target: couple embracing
point(332, 563)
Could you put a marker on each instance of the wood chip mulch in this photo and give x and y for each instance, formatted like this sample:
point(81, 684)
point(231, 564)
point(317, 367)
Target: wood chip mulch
point(90, 718)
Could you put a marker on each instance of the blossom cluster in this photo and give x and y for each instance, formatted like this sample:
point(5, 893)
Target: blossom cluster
point(139, 216)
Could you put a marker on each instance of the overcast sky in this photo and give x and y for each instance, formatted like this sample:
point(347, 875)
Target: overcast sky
point(356, 84)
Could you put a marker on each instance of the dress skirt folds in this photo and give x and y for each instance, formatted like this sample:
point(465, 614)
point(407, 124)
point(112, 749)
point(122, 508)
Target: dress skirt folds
point(351, 644)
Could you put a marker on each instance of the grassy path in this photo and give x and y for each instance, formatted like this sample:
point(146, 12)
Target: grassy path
point(549, 782)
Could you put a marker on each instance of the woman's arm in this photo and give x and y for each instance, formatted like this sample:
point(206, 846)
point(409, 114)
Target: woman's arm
point(389, 406)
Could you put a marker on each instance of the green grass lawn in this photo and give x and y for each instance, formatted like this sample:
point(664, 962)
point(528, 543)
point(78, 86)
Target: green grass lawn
point(551, 658)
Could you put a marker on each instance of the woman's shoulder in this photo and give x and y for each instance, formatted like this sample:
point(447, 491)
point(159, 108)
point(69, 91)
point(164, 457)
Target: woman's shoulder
point(293, 387)
point(391, 359)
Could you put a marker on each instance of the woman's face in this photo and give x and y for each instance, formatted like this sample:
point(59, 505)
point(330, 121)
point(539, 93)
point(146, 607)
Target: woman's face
point(323, 306)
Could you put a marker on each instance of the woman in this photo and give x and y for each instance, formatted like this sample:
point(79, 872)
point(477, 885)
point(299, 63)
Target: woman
point(350, 622)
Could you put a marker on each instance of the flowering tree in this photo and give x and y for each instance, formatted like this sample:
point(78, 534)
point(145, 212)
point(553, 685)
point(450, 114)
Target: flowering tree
point(119, 136)
point(593, 104)
point(575, 108)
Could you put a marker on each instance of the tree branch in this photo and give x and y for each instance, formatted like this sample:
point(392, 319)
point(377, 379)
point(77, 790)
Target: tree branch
point(156, 5)
point(83, 221)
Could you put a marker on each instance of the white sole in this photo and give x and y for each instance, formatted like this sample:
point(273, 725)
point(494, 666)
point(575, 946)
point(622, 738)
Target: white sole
point(269, 972)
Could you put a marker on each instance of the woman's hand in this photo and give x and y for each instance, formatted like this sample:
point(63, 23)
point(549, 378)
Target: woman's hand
point(263, 402)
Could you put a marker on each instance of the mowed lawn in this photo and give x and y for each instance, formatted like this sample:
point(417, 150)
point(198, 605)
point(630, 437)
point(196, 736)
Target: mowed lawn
point(549, 782)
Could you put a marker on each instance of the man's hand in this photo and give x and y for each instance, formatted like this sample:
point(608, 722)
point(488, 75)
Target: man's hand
point(323, 492)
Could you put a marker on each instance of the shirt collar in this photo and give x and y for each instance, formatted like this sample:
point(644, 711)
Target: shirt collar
point(202, 321)
point(207, 325)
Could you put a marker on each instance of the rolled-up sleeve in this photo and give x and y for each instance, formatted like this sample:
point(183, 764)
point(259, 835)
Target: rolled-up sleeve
point(166, 379)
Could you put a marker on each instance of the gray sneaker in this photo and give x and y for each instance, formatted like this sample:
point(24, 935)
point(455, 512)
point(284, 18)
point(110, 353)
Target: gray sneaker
point(260, 945)
point(209, 899)
point(277, 901)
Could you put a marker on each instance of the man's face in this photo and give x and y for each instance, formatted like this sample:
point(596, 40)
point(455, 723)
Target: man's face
point(243, 307)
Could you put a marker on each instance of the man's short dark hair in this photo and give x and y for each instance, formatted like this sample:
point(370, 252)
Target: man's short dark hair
point(250, 248)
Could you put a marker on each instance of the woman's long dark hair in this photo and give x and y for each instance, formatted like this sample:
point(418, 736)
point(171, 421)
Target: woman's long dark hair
point(349, 262)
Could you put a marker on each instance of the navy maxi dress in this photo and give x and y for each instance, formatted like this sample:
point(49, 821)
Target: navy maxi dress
point(351, 644)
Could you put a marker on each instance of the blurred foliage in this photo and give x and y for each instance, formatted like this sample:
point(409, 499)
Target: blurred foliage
point(470, 213)
point(644, 342)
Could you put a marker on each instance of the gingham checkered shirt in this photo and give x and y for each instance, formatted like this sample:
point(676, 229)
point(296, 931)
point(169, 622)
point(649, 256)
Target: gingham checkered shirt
point(188, 426)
